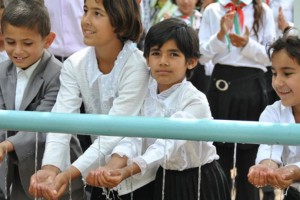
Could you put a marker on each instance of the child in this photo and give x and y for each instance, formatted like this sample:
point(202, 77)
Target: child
point(109, 77)
point(279, 165)
point(29, 81)
point(171, 51)
point(233, 34)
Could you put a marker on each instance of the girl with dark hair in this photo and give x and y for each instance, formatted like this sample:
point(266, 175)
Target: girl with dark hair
point(108, 77)
point(279, 165)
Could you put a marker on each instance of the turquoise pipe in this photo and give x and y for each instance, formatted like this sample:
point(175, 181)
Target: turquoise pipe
point(185, 129)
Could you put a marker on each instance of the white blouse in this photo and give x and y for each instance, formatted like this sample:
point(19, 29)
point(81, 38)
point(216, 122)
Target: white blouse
point(253, 54)
point(281, 154)
point(121, 92)
point(182, 100)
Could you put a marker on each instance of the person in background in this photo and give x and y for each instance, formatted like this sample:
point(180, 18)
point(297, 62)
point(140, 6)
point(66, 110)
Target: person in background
point(233, 34)
point(279, 165)
point(65, 18)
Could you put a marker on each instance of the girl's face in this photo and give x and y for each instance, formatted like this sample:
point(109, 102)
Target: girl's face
point(96, 27)
point(186, 6)
point(168, 65)
point(286, 78)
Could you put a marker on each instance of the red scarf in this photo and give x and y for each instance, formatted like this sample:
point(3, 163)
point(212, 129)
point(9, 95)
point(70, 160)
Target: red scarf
point(238, 8)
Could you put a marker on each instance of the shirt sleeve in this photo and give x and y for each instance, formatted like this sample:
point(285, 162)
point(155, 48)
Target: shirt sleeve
point(57, 149)
point(161, 149)
point(94, 156)
point(210, 45)
point(265, 151)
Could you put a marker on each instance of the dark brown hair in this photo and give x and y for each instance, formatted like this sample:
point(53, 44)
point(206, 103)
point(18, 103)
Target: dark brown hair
point(125, 17)
point(258, 11)
point(30, 14)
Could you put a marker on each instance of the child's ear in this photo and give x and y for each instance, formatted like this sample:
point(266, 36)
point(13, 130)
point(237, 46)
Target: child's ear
point(49, 39)
point(192, 63)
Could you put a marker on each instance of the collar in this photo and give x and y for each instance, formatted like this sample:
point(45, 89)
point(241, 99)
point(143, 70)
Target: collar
point(28, 72)
point(225, 2)
point(165, 94)
point(286, 114)
point(93, 71)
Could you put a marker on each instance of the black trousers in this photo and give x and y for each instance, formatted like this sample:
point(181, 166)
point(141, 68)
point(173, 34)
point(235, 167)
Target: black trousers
point(292, 194)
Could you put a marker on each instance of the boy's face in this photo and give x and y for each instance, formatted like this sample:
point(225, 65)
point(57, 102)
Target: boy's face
point(24, 46)
point(168, 65)
point(286, 78)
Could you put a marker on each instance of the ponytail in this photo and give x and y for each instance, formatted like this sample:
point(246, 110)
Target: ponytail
point(258, 11)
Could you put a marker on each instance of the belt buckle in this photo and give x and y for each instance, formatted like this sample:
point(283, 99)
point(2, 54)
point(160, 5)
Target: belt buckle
point(222, 85)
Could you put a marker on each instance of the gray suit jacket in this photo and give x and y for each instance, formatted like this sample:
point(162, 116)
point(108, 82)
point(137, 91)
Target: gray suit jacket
point(40, 95)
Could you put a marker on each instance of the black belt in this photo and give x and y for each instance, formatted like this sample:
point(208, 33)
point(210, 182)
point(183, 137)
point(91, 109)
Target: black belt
point(224, 85)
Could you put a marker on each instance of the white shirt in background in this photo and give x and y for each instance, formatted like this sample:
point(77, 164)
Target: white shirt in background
point(252, 55)
point(65, 17)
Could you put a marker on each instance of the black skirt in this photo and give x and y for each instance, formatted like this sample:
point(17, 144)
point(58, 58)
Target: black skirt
point(292, 194)
point(183, 185)
point(142, 193)
point(237, 93)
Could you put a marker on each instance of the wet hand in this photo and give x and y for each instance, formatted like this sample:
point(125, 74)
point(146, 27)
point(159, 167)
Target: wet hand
point(257, 175)
point(104, 177)
point(42, 184)
point(283, 177)
point(61, 183)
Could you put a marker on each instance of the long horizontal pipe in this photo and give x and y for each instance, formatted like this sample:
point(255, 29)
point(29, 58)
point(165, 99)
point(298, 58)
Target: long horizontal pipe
point(205, 130)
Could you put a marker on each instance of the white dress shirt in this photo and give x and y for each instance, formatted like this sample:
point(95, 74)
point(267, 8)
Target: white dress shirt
point(281, 154)
point(23, 77)
point(121, 92)
point(253, 54)
point(182, 100)
point(65, 17)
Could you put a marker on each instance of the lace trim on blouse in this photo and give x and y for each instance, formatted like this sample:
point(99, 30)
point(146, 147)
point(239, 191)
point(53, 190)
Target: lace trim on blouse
point(158, 105)
point(108, 83)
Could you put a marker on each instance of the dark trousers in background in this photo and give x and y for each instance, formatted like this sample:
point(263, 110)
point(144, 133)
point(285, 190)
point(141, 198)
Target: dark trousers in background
point(292, 194)
point(238, 93)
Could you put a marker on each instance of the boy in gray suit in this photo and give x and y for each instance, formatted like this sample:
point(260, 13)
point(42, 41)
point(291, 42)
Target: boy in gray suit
point(29, 81)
